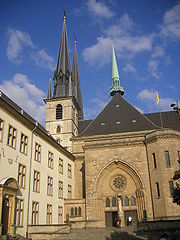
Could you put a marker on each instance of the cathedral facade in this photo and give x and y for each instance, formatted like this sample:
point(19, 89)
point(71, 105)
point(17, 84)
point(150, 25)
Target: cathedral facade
point(86, 173)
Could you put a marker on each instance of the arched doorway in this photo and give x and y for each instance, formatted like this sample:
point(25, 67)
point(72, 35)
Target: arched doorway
point(5, 216)
point(8, 190)
point(120, 181)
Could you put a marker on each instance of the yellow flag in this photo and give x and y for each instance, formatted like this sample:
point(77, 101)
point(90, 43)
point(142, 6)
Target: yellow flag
point(157, 95)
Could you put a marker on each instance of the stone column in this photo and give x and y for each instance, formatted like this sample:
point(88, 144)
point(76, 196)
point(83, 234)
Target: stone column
point(1, 202)
point(12, 216)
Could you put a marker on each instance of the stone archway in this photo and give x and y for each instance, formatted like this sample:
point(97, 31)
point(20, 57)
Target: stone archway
point(120, 179)
point(8, 190)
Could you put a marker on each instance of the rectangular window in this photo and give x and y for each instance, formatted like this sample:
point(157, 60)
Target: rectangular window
point(37, 156)
point(60, 189)
point(19, 212)
point(23, 143)
point(60, 214)
point(69, 191)
point(21, 175)
point(171, 187)
point(154, 160)
point(69, 171)
point(36, 181)
point(178, 152)
point(12, 134)
point(168, 164)
point(157, 189)
point(49, 214)
point(1, 129)
point(50, 186)
point(35, 213)
point(50, 159)
point(60, 165)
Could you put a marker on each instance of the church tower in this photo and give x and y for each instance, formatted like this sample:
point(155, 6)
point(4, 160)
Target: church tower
point(64, 106)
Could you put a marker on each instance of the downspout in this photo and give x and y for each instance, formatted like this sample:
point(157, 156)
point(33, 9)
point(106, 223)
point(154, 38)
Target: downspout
point(149, 177)
point(30, 170)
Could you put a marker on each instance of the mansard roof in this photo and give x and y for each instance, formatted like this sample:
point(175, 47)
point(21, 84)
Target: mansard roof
point(118, 116)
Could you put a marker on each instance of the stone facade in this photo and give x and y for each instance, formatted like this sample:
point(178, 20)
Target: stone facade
point(101, 159)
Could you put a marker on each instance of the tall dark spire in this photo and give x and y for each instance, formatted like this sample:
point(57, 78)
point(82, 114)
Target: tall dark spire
point(49, 95)
point(63, 70)
point(76, 82)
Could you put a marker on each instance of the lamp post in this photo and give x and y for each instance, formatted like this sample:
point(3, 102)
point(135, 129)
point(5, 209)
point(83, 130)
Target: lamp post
point(175, 107)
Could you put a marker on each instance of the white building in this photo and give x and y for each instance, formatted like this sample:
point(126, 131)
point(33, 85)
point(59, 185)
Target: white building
point(36, 173)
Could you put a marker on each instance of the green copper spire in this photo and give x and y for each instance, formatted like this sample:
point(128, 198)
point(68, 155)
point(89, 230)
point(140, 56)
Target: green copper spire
point(116, 88)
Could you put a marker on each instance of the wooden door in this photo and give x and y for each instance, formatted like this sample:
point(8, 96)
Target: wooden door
point(5, 216)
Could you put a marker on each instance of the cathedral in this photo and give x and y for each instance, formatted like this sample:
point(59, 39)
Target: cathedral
point(85, 173)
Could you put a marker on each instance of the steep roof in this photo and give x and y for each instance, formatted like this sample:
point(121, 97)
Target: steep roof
point(118, 116)
point(63, 69)
point(76, 82)
point(170, 119)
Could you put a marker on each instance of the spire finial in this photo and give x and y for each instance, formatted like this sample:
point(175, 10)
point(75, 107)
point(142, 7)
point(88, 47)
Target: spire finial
point(64, 13)
point(49, 95)
point(116, 88)
point(74, 38)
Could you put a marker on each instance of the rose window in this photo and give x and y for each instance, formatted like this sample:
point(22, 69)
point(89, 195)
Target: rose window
point(118, 183)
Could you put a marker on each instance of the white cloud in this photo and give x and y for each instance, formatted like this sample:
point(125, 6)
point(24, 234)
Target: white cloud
point(126, 42)
point(26, 95)
point(43, 59)
point(123, 28)
point(100, 53)
point(171, 23)
point(153, 68)
point(99, 9)
point(129, 68)
point(17, 41)
point(149, 97)
point(97, 105)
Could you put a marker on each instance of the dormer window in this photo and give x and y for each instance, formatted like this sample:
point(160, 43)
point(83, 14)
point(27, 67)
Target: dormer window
point(59, 111)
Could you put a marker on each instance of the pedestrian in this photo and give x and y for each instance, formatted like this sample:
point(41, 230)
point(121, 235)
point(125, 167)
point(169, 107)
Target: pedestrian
point(119, 223)
point(164, 236)
point(130, 221)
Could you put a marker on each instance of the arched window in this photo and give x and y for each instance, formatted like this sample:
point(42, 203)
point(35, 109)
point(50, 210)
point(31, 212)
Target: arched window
point(107, 202)
point(72, 212)
point(133, 201)
point(58, 129)
point(126, 201)
point(75, 211)
point(59, 111)
point(79, 211)
point(113, 202)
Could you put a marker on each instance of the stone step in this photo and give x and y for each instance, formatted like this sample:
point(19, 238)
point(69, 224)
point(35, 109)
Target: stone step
point(101, 234)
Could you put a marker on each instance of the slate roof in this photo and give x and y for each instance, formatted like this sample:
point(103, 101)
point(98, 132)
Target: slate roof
point(118, 116)
point(170, 119)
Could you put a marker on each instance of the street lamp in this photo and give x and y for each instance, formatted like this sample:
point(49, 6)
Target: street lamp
point(175, 107)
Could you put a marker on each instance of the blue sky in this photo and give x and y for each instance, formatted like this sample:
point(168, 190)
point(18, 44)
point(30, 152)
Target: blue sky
point(146, 36)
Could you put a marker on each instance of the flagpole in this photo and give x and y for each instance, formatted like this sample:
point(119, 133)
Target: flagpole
point(158, 103)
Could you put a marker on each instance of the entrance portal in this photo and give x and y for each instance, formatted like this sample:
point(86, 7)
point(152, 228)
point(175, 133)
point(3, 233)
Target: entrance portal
point(133, 215)
point(111, 219)
point(5, 216)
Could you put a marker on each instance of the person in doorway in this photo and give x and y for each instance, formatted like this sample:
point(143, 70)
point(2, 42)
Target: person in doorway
point(119, 223)
point(164, 236)
point(129, 221)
